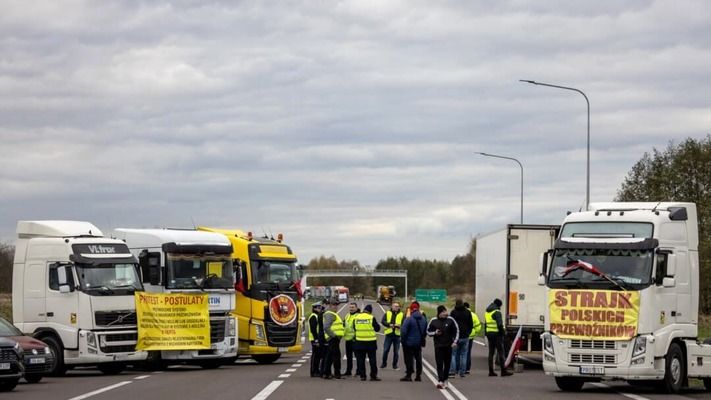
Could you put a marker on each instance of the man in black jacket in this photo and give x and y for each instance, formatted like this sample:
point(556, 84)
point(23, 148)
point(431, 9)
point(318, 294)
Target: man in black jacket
point(445, 333)
point(317, 339)
point(459, 353)
point(494, 328)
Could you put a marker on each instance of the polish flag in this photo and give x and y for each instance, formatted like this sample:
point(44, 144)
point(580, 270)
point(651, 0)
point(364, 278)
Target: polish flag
point(515, 346)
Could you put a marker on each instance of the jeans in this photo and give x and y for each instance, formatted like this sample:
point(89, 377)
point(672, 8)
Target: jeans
point(459, 357)
point(469, 355)
point(413, 358)
point(394, 341)
point(443, 359)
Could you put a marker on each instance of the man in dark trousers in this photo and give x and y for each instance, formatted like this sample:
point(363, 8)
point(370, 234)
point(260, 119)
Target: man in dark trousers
point(366, 342)
point(464, 321)
point(315, 326)
point(494, 328)
point(333, 331)
point(349, 338)
point(413, 334)
point(445, 333)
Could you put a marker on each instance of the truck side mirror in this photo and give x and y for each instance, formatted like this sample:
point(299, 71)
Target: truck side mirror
point(545, 256)
point(150, 267)
point(240, 267)
point(63, 279)
point(671, 265)
point(668, 282)
point(541, 280)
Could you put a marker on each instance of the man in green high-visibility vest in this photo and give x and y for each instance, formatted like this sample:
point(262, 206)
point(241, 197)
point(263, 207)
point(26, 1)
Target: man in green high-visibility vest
point(333, 331)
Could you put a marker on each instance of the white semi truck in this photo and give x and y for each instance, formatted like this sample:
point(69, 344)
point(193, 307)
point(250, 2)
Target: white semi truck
point(189, 261)
point(507, 268)
point(623, 291)
point(74, 289)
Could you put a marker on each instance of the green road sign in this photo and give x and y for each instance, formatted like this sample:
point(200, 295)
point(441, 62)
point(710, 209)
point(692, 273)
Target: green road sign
point(431, 295)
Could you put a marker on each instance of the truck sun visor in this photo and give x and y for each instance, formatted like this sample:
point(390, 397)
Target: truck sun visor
point(646, 244)
point(190, 248)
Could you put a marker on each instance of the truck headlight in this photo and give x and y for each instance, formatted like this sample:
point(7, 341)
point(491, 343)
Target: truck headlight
point(91, 339)
point(231, 327)
point(259, 331)
point(548, 343)
point(640, 348)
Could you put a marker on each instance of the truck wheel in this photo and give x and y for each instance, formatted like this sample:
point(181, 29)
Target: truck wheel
point(6, 386)
point(674, 370)
point(707, 383)
point(55, 346)
point(266, 358)
point(33, 378)
point(569, 384)
point(111, 368)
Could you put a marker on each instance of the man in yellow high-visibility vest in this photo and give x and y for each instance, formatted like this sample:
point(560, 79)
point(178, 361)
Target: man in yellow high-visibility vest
point(349, 338)
point(476, 330)
point(392, 321)
point(366, 342)
point(494, 327)
point(333, 331)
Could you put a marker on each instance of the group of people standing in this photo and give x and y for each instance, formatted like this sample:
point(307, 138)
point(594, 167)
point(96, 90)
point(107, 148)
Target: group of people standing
point(452, 337)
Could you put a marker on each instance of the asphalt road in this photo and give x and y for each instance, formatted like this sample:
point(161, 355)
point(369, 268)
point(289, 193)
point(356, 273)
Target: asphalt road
point(288, 379)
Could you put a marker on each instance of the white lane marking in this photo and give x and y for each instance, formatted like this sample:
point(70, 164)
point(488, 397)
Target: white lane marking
point(99, 391)
point(158, 372)
point(434, 380)
point(451, 387)
point(381, 307)
point(291, 370)
point(342, 307)
point(284, 375)
point(628, 395)
point(268, 390)
point(138, 378)
point(480, 343)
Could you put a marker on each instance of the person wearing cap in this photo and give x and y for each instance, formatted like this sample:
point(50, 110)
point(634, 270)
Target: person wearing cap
point(445, 333)
point(476, 330)
point(413, 335)
point(366, 342)
point(349, 338)
point(333, 332)
point(494, 329)
point(315, 326)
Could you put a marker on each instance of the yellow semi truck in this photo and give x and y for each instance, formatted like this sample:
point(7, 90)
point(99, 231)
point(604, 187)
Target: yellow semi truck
point(268, 301)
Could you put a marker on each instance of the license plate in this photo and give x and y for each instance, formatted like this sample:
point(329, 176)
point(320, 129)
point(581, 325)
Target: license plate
point(38, 360)
point(591, 370)
point(4, 365)
point(282, 349)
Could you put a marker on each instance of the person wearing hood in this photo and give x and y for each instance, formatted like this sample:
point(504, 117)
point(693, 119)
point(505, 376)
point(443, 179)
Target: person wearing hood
point(459, 354)
point(494, 328)
point(412, 336)
point(445, 334)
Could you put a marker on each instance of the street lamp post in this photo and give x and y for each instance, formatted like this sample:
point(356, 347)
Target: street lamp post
point(519, 164)
point(587, 186)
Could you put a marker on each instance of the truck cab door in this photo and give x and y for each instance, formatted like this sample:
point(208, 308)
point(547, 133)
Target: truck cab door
point(665, 281)
point(62, 303)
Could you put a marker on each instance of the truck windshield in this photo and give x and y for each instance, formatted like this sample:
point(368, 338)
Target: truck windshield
point(274, 272)
point(631, 269)
point(109, 278)
point(195, 271)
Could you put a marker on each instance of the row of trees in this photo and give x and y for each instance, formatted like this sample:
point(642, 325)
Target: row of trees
point(457, 276)
point(681, 172)
point(7, 252)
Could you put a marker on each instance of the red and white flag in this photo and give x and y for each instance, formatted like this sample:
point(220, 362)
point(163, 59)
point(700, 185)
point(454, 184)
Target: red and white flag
point(515, 346)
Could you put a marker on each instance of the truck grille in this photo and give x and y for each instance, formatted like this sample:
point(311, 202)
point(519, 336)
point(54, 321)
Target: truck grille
point(593, 358)
point(217, 330)
point(8, 354)
point(281, 336)
point(115, 318)
point(593, 344)
point(116, 342)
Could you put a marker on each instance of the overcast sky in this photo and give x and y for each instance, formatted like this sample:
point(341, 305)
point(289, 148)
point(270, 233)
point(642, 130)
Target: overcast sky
point(350, 126)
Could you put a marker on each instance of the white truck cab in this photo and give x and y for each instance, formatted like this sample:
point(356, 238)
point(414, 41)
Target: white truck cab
point(189, 261)
point(74, 289)
point(623, 292)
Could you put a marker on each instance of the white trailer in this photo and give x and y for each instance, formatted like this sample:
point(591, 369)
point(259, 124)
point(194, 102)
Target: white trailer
point(623, 289)
point(507, 268)
point(74, 289)
point(189, 261)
